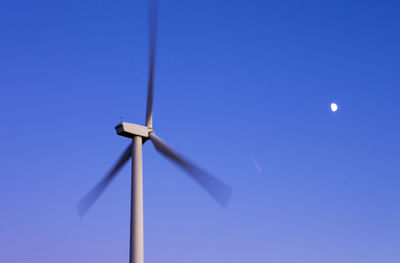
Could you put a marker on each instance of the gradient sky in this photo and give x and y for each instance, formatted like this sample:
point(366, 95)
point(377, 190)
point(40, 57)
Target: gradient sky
point(234, 79)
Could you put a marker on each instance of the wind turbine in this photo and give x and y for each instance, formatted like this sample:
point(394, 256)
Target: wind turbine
point(139, 134)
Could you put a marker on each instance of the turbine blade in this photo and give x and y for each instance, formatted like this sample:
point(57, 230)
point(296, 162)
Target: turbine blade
point(152, 57)
point(90, 198)
point(218, 190)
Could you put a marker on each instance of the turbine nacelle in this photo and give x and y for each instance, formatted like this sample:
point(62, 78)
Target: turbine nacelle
point(131, 130)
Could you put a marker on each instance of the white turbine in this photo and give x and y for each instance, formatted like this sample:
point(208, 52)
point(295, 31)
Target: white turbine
point(139, 134)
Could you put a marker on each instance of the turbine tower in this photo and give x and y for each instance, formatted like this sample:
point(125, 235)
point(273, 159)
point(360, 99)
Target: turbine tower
point(139, 134)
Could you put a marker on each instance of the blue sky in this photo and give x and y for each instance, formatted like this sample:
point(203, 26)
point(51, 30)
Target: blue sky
point(234, 79)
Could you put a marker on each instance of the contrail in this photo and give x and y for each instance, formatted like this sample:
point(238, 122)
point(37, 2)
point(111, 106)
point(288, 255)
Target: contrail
point(256, 164)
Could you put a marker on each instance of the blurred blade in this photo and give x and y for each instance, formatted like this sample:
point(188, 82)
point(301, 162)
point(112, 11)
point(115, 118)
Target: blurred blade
point(216, 188)
point(152, 57)
point(93, 195)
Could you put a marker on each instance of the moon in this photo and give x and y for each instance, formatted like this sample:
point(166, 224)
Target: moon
point(334, 107)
